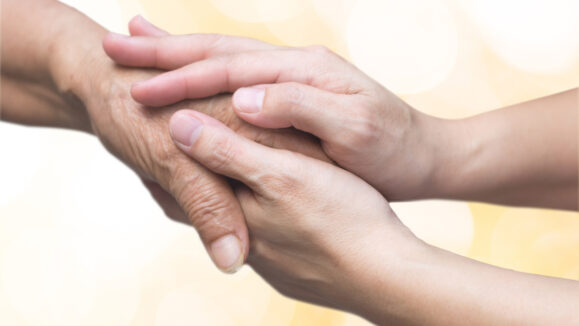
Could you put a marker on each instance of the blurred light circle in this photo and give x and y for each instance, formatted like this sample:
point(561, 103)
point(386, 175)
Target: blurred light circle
point(243, 296)
point(564, 242)
point(445, 224)
point(185, 307)
point(44, 282)
point(255, 11)
point(408, 46)
point(118, 299)
point(537, 36)
point(545, 242)
point(334, 12)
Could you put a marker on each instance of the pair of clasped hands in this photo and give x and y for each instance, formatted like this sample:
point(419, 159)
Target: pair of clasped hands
point(294, 182)
point(313, 218)
point(292, 173)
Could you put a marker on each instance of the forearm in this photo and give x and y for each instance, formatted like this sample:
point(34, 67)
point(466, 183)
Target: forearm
point(430, 286)
point(525, 154)
point(39, 50)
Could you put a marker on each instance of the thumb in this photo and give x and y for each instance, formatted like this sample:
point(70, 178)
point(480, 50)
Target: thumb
point(224, 152)
point(315, 111)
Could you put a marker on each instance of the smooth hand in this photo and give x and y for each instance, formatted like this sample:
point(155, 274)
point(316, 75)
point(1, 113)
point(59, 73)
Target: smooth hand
point(314, 227)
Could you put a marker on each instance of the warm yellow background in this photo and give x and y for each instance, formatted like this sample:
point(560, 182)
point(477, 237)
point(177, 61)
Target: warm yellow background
point(82, 243)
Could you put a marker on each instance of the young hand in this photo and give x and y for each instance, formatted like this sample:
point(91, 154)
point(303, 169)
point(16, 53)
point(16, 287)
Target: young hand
point(363, 127)
point(315, 229)
point(529, 158)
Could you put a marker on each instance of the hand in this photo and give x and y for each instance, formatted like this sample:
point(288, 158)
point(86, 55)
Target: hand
point(363, 127)
point(313, 226)
point(320, 234)
point(139, 137)
point(403, 153)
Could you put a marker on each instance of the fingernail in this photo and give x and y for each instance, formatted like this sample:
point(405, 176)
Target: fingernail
point(249, 100)
point(185, 129)
point(227, 254)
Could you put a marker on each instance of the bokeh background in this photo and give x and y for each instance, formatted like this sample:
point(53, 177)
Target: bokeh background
point(82, 242)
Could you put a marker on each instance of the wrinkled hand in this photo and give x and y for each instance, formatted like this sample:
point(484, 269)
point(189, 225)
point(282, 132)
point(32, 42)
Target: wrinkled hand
point(363, 127)
point(313, 225)
point(187, 191)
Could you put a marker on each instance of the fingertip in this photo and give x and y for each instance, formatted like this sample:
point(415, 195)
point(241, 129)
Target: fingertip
point(139, 26)
point(185, 129)
point(248, 100)
point(124, 50)
point(227, 253)
point(149, 93)
point(138, 92)
point(111, 42)
point(248, 104)
point(136, 27)
point(164, 89)
point(141, 94)
point(134, 22)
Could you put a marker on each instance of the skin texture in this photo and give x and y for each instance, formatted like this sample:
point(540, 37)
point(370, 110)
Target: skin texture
point(413, 285)
point(313, 244)
point(529, 158)
point(61, 77)
point(302, 228)
point(333, 240)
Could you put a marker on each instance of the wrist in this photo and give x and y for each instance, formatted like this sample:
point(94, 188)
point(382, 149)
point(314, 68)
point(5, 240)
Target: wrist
point(459, 157)
point(424, 154)
point(76, 63)
point(376, 279)
point(447, 147)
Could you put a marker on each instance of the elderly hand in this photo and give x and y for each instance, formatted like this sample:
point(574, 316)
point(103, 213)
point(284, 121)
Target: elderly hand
point(139, 137)
point(363, 127)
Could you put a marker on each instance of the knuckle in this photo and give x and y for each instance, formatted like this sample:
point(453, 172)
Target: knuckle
point(279, 184)
point(364, 128)
point(206, 208)
point(214, 41)
point(223, 153)
point(322, 56)
point(293, 94)
point(319, 49)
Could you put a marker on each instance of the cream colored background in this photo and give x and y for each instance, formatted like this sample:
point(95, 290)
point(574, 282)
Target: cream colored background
point(82, 243)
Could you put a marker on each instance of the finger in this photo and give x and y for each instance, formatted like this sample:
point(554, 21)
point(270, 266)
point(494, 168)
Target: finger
point(224, 152)
point(323, 114)
point(139, 26)
point(174, 51)
point(213, 210)
point(228, 73)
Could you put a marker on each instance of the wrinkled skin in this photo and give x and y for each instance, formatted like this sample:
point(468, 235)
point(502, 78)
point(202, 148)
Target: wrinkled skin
point(187, 192)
